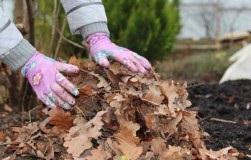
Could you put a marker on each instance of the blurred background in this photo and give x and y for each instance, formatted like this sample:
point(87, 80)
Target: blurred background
point(185, 40)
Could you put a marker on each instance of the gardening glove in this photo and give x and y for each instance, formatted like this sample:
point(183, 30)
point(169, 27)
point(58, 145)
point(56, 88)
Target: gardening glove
point(101, 49)
point(51, 87)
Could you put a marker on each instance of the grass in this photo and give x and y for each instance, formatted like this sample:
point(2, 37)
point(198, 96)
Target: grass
point(198, 67)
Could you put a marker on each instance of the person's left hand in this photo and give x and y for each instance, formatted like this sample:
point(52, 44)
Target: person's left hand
point(101, 49)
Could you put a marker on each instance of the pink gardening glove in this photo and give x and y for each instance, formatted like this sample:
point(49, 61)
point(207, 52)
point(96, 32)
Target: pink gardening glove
point(51, 87)
point(101, 48)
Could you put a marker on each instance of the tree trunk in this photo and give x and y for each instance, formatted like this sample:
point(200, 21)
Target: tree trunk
point(28, 97)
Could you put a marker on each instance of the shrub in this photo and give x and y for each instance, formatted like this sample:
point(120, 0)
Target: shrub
point(149, 27)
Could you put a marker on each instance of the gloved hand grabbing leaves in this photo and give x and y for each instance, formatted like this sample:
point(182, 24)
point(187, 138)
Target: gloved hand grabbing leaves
point(51, 87)
point(101, 48)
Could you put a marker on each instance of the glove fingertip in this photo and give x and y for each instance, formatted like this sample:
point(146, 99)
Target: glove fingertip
point(147, 65)
point(104, 63)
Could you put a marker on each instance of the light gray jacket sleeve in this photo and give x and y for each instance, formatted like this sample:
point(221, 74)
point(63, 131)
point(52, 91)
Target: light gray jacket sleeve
point(15, 51)
point(85, 17)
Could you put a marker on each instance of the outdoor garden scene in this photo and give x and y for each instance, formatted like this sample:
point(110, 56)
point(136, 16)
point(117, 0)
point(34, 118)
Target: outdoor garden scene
point(125, 80)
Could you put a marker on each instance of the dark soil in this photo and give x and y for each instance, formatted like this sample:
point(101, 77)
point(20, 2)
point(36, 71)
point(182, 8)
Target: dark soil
point(229, 101)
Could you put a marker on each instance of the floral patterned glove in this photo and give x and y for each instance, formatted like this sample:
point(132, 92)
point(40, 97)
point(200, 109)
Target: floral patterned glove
point(101, 48)
point(51, 87)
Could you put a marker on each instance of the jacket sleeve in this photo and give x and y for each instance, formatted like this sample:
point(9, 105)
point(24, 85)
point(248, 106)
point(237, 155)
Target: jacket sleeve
point(15, 51)
point(85, 17)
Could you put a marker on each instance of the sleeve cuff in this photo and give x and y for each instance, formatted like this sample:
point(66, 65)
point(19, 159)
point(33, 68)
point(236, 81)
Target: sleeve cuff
point(99, 27)
point(19, 55)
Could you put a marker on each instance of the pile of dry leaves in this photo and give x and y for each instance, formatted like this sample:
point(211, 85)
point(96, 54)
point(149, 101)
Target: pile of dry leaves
point(118, 115)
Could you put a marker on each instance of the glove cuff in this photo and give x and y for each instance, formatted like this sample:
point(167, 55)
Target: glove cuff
point(19, 55)
point(94, 38)
point(94, 28)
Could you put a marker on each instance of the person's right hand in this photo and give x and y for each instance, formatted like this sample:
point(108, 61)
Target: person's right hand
point(51, 87)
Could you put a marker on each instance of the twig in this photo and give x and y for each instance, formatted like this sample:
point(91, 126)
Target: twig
point(79, 110)
point(223, 120)
point(60, 38)
point(73, 43)
point(196, 85)
point(54, 26)
point(31, 111)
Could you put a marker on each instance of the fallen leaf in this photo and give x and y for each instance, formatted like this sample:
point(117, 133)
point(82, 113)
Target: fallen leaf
point(2, 136)
point(99, 154)
point(73, 60)
point(7, 108)
point(60, 119)
point(174, 153)
point(86, 89)
point(79, 137)
point(170, 92)
point(128, 142)
point(154, 95)
point(158, 146)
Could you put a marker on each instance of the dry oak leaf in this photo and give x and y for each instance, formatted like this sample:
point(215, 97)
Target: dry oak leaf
point(102, 82)
point(117, 68)
point(151, 121)
point(158, 146)
point(2, 136)
point(171, 128)
point(99, 154)
point(175, 153)
point(60, 119)
point(128, 143)
point(132, 127)
point(175, 100)
point(170, 91)
point(191, 126)
point(79, 137)
point(73, 60)
point(86, 89)
point(25, 132)
point(218, 155)
point(154, 95)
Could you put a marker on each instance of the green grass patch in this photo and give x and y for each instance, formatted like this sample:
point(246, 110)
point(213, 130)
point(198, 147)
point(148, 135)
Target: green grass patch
point(206, 67)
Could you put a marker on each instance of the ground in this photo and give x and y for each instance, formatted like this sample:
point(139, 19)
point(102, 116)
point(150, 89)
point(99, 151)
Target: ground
point(224, 113)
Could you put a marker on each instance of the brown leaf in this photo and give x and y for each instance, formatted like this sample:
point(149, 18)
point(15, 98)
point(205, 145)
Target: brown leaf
point(60, 119)
point(170, 92)
point(158, 146)
point(99, 154)
point(150, 120)
point(154, 95)
point(79, 137)
point(25, 132)
point(7, 108)
point(117, 68)
point(171, 128)
point(174, 153)
point(73, 60)
point(2, 136)
point(86, 89)
point(128, 142)
point(191, 126)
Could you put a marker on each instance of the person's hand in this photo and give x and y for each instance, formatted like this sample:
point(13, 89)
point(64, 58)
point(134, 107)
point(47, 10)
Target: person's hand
point(51, 87)
point(101, 48)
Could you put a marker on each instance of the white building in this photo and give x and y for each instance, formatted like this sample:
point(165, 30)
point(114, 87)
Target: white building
point(214, 18)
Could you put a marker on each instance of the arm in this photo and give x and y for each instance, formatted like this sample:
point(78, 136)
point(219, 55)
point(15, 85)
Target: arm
point(43, 73)
point(85, 17)
point(88, 18)
point(15, 51)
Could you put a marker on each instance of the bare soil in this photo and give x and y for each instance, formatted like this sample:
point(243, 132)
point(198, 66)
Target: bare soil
point(225, 113)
